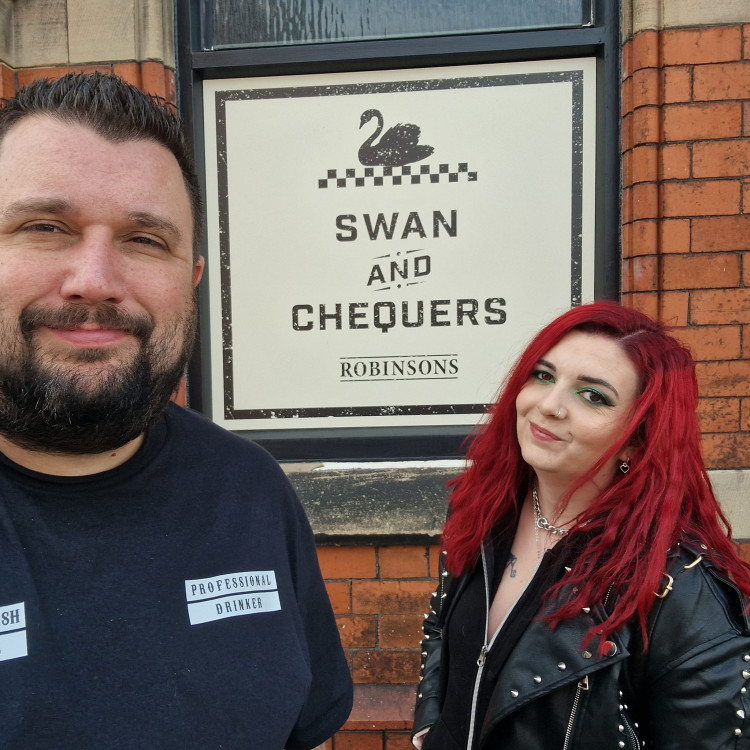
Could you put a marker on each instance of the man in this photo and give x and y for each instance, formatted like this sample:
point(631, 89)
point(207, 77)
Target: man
point(158, 580)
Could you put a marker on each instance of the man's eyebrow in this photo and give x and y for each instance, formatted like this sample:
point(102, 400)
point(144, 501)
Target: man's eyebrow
point(152, 221)
point(35, 205)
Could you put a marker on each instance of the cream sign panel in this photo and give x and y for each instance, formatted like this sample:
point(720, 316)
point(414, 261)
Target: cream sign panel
point(382, 244)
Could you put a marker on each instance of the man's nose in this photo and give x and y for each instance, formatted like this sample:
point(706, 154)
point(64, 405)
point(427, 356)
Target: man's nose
point(93, 271)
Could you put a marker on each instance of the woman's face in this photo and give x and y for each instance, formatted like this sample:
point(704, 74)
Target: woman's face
point(575, 405)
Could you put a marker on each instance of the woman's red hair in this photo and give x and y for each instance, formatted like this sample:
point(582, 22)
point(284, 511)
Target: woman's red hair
point(628, 530)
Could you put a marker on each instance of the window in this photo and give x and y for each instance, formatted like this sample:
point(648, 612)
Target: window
point(391, 213)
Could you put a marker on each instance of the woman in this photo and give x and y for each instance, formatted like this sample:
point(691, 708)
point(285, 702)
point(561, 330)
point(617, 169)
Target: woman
point(592, 597)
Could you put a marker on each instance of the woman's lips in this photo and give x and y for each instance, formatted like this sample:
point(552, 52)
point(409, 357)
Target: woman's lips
point(541, 434)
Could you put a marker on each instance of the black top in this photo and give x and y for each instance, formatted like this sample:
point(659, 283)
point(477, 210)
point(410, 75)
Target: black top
point(465, 637)
point(172, 602)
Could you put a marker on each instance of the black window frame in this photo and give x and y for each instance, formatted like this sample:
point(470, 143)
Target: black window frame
point(600, 41)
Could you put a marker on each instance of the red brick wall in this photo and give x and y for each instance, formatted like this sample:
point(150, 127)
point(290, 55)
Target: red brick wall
point(380, 596)
point(686, 211)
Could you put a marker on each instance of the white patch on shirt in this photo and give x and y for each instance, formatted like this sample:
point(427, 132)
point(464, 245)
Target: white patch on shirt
point(13, 631)
point(231, 595)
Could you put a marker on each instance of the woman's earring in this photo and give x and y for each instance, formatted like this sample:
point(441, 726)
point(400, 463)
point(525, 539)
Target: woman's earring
point(625, 466)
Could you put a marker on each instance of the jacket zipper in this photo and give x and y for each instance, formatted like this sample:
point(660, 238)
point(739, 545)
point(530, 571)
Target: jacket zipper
point(583, 685)
point(482, 654)
point(631, 733)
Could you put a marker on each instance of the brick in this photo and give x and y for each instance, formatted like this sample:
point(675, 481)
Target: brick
point(726, 450)
point(340, 594)
point(7, 82)
point(626, 168)
point(398, 741)
point(645, 164)
point(154, 79)
point(677, 85)
point(746, 269)
point(385, 667)
point(674, 308)
point(645, 201)
point(720, 307)
point(674, 235)
point(746, 342)
point(357, 631)
point(435, 552)
point(709, 198)
point(626, 131)
point(746, 119)
point(703, 271)
point(28, 75)
point(721, 82)
point(698, 46)
point(719, 414)
point(721, 159)
point(746, 195)
point(690, 122)
point(716, 234)
point(711, 342)
point(626, 97)
point(171, 85)
point(646, 125)
point(403, 562)
point(745, 414)
point(358, 741)
point(400, 631)
point(646, 87)
point(130, 72)
point(640, 274)
point(626, 60)
point(627, 205)
point(645, 302)
point(723, 378)
point(645, 50)
point(347, 562)
point(391, 597)
point(675, 161)
point(382, 707)
point(643, 239)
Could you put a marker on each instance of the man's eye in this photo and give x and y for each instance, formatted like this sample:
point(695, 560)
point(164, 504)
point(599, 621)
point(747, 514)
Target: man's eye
point(148, 241)
point(41, 227)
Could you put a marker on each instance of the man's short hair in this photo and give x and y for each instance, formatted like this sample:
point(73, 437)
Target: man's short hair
point(116, 111)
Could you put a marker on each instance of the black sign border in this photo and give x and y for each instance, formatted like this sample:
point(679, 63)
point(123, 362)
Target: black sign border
point(575, 77)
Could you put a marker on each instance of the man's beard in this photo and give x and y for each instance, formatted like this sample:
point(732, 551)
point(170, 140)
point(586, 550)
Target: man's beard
point(62, 408)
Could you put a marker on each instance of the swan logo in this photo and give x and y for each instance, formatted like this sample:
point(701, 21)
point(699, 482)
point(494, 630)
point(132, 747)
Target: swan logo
point(387, 158)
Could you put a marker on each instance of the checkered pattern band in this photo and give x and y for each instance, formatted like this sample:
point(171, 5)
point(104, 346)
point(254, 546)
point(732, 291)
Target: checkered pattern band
point(411, 174)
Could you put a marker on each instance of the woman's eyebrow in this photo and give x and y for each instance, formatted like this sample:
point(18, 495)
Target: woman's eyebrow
point(599, 381)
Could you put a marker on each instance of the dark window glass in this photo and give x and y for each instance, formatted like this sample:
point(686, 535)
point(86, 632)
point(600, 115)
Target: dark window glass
point(250, 23)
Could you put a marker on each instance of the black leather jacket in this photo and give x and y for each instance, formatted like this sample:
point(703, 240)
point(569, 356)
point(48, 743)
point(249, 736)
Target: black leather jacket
point(687, 692)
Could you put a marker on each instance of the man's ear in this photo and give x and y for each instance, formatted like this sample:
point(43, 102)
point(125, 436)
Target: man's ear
point(198, 269)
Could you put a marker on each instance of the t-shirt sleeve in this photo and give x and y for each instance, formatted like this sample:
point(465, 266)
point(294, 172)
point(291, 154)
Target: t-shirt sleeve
point(329, 700)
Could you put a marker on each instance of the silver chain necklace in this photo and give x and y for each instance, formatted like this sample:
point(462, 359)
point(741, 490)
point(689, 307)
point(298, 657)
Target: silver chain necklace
point(539, 520)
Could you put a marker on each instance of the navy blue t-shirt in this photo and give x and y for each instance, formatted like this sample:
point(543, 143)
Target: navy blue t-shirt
point(172, 602)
